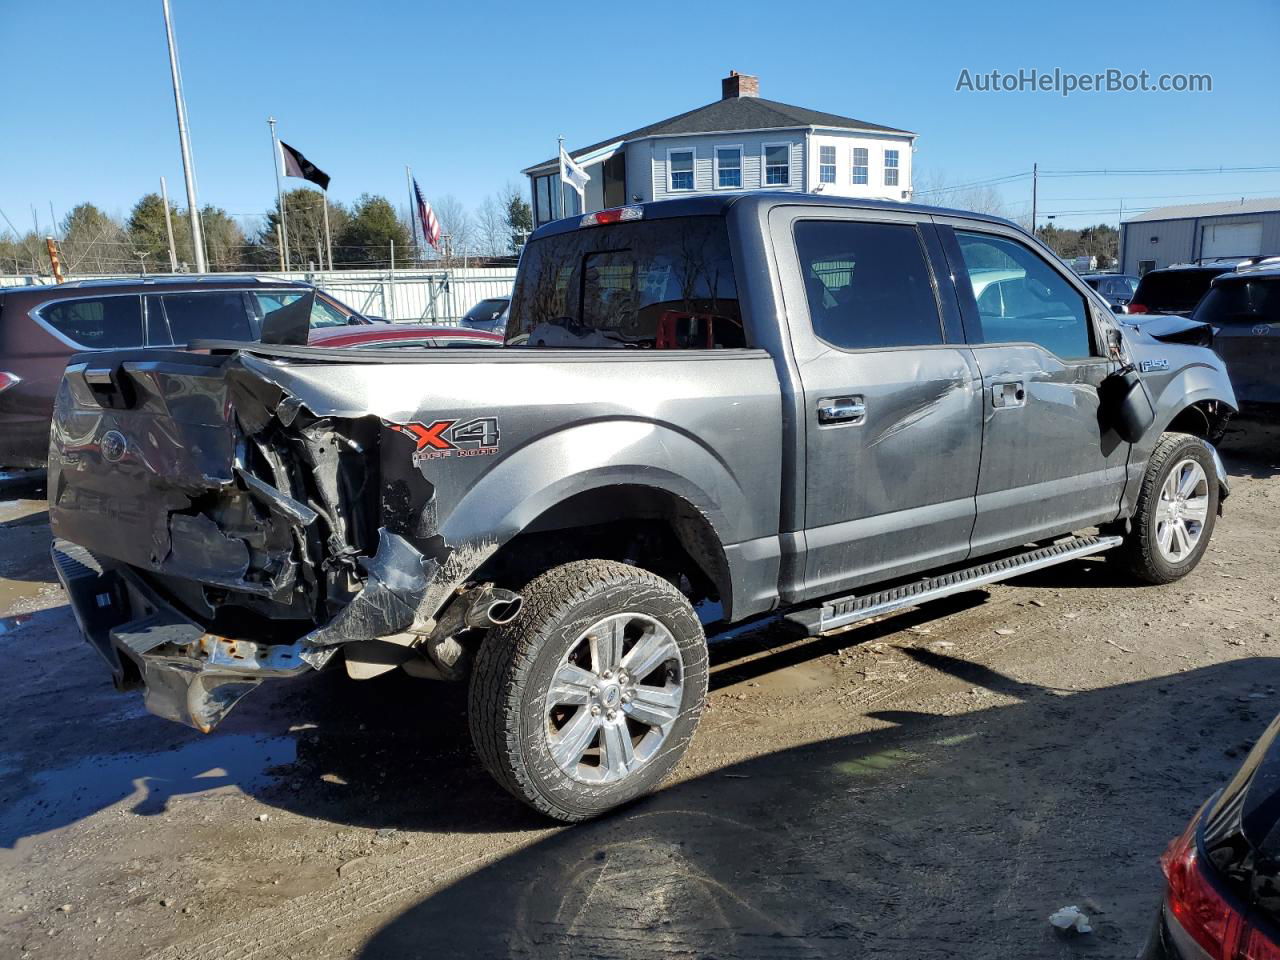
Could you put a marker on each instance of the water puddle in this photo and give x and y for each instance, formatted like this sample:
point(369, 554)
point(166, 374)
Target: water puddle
point(15, 622)
point(141, 783)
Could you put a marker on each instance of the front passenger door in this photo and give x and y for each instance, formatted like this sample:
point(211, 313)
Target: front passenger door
point(1049, 466)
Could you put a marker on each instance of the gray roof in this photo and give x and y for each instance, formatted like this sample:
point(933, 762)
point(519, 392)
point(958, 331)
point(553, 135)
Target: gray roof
point(735, 113)
point(1222, 209)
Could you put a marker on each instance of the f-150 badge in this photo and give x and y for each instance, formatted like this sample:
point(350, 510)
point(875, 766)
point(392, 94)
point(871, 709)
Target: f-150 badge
point(451, 438)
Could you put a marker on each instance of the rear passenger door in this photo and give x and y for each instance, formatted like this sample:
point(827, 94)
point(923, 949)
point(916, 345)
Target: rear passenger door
point(1048, 464)
point(891, 395)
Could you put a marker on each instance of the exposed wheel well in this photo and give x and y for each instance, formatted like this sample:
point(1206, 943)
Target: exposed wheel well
point(643, 526)
point(1206, 419)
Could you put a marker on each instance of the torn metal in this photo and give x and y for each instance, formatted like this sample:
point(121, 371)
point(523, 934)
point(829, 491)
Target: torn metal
point(263, 512)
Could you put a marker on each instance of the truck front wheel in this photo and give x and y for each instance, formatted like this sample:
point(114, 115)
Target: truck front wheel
point(589, 697)
point(1176, 508)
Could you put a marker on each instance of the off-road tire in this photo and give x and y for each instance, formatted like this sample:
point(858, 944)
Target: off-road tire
point(1139, 555)
point(516, 662)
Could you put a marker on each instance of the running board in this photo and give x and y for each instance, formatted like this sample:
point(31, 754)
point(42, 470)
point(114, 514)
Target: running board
point(851, 609)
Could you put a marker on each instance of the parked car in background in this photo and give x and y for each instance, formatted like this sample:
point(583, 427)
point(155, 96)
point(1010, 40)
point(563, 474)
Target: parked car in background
point(42, 326)
point(554, 524)
point(1243, 308)
point(488, 315)
point(402, 336)
point(1176, 289)
point(1222, 900)
point(1116, 288)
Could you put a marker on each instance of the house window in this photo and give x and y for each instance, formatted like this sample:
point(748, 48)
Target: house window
point(891, 168)
point(680, 169)
point(827, 164)
point(777, 164)
point(729, 168)
point(860, 165)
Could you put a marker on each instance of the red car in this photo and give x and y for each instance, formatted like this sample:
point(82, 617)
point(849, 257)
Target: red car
point(388, 335)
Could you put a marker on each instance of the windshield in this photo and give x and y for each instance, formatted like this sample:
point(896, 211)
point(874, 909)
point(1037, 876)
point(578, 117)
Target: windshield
point(486, 310)
point(1241, 303)
point(662, 284)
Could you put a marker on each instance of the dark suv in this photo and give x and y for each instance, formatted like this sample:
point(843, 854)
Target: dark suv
point(1176, 289)
point(41, 326)
point(1243, 308)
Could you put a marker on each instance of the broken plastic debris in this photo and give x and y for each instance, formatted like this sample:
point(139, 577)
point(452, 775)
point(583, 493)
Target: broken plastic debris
point(1070, 918)
point(1005, 632)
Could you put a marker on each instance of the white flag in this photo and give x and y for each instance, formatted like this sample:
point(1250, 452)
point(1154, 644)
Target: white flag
point(572, 174)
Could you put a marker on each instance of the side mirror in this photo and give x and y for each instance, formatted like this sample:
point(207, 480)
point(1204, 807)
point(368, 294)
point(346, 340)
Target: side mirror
point(1127, 405)
point(1117, 308)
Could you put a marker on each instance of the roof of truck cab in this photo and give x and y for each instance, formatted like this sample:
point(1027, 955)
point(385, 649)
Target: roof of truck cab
point(703, 206)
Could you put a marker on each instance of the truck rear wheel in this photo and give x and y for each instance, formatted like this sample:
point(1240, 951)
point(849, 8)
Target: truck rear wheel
point(1176, 510)
point(589, 697)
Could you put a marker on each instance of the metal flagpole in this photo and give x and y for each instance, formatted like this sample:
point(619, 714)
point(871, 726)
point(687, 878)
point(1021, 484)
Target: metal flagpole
point(277, 158)
point(328, 241)
point(197, 240)
point(168, 227)
point(413, 212)
point(560, 172)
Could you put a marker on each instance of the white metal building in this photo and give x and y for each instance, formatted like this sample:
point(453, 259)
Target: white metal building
point(739, 142)
point(1199, 231)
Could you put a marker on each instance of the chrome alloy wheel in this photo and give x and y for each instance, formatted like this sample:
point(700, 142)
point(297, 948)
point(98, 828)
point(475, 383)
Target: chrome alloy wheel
point(1182, 511)
point(614, 698)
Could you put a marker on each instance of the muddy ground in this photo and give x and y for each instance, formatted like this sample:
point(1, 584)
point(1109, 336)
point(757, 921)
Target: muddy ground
point(931, 785)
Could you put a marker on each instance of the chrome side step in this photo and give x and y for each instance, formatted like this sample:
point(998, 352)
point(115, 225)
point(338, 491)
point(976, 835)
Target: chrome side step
point(851, 609)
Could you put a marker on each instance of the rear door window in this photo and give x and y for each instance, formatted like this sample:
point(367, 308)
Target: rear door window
point(1021, 298)
point(655, 285)
point(207, 315)
point(98, 323)
point(1168, 291)
point(868, 285)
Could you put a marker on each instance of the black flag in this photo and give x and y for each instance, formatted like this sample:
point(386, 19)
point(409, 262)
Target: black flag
point(296, 165)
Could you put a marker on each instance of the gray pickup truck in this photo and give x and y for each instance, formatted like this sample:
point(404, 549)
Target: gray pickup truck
point(707, 410)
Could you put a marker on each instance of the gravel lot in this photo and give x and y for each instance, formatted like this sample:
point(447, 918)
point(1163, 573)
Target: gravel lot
point(931, 785)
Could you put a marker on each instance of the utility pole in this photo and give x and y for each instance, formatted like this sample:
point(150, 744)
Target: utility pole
point(280, 246)
point(328, 240)
point(1035, 177)
point(276, 159)
point(413, 216)
point(193, 209)
point(168, 226)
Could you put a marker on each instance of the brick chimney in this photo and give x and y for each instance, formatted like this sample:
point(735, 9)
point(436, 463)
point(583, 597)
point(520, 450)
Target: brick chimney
point(739, 85)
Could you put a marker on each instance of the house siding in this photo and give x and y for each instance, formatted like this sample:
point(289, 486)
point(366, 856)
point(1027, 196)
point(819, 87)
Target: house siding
point(654, 150)
point(875, 145)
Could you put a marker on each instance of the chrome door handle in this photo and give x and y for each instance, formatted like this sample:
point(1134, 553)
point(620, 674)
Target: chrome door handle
point(1012, 393)
point(850, 410)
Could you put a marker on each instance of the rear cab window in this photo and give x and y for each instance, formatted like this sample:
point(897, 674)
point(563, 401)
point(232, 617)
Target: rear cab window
point(650, 285)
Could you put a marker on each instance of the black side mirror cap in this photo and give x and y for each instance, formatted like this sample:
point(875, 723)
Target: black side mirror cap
point(1128, 404)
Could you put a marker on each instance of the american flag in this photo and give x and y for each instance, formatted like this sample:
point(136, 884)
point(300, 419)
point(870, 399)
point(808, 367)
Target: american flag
point(427, 217)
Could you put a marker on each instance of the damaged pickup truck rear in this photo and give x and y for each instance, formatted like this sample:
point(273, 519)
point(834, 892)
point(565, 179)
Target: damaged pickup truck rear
point(707, 410)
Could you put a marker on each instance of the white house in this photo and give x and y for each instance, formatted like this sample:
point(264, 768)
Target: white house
point(739, 142)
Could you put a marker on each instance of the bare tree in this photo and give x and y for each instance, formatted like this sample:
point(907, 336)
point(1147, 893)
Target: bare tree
point(934, 188)
point(455, 222)
point(491, 227)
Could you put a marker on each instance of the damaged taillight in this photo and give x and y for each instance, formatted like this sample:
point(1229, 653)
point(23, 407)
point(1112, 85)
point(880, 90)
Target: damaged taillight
point(8, 380)
point(1207, 915)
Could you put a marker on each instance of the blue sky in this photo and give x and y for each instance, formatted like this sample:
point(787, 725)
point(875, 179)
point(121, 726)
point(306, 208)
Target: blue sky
point(469, 93)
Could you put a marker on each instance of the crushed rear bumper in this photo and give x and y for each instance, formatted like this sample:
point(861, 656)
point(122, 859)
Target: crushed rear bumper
point(189, 675)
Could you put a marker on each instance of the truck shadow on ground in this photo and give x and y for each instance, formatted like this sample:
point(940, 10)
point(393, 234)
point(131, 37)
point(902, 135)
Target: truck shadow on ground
point(1251, 447)
point(936, 836)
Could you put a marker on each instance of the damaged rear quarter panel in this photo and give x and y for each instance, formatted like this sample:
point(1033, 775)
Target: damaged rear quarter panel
point(239, 429)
